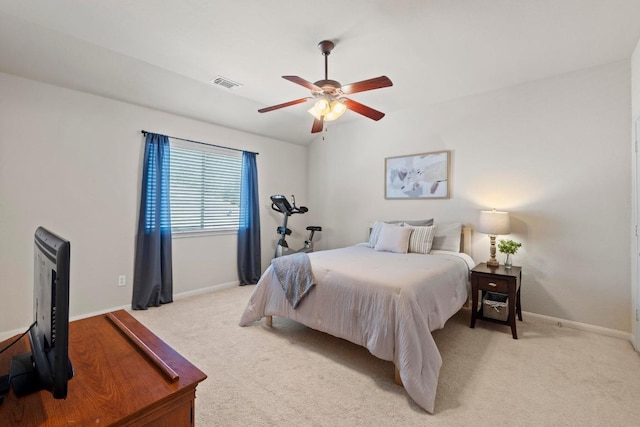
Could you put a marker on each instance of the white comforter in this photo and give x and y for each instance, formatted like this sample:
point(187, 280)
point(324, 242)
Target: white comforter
point(386, 302)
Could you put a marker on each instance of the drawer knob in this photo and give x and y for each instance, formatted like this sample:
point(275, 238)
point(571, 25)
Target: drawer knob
point(492, 284)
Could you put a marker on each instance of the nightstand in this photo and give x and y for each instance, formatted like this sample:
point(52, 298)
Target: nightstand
point(498, 280)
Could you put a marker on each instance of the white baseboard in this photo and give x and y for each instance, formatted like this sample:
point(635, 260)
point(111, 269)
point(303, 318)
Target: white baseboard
point(206, 290)
point(8, 334)
point(97, 313)
point(178, 296)
point(581, 326)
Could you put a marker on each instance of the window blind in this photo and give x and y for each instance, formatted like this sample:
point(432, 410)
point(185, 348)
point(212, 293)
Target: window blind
point(204, 188)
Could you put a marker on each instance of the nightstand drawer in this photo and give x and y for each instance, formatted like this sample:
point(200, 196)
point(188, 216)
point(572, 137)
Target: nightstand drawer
point(493, 284)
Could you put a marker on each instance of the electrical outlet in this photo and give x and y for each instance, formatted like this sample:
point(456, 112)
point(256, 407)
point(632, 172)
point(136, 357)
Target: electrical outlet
point(122, 280)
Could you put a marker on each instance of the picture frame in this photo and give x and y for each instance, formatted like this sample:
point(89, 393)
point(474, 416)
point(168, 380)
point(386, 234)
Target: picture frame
point(418, 176)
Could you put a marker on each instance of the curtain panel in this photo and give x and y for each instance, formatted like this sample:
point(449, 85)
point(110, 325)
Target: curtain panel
point(249, 260)
point(153, 275)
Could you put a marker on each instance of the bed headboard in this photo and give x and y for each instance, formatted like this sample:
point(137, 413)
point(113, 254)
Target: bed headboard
point(465, 240)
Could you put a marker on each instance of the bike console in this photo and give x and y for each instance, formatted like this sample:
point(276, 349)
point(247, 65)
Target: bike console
point(282, 205)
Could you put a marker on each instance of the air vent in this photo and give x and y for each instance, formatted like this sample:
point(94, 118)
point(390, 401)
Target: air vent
point(225, 83)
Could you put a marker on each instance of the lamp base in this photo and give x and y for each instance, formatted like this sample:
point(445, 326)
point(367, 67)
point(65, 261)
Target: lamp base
point(493, 263)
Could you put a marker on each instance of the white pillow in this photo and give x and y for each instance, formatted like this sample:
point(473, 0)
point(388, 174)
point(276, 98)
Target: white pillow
point(377, 226)
point(421, 239)
point(393, 238)
point(447, 237)
point(375, 232)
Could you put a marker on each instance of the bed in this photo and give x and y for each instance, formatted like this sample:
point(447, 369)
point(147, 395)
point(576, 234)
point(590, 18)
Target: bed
point(386, 301)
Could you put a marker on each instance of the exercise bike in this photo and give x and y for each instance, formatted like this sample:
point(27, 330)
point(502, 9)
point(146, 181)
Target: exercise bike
point(279, 203)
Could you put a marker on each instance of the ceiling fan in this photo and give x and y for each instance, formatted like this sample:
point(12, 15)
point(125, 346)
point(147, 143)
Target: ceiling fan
point(330, 98)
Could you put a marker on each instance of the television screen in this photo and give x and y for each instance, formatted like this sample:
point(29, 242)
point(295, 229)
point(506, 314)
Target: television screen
point(47, 366)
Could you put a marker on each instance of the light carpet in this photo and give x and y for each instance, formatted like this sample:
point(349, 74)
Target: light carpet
point(290, 375)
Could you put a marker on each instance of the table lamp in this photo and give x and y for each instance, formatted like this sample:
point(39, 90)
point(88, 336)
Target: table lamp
point(494, 223)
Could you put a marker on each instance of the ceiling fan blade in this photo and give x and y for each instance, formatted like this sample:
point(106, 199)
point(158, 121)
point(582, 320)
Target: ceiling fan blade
point(364, 85)
point(317, 125)
point(363, 109)
point(286, 104)
point(303, 82)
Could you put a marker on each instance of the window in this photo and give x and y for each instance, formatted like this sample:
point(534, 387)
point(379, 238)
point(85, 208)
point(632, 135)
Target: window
point(204, 188)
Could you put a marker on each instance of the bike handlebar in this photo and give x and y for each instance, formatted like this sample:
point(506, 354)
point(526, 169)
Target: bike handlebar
point(281, 204)
point(296, 210)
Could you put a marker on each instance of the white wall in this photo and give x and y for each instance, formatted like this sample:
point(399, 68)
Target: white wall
point(554, 153)
point(635, 82)
point(71, 162)
point(635, 135)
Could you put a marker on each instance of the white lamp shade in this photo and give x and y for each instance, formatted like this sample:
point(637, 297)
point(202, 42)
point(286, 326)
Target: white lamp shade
point(494, 223)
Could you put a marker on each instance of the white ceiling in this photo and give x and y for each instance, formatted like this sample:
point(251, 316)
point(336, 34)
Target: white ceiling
point(163, 54)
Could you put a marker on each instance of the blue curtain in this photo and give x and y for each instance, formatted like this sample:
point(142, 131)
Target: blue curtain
point(152, 280)
point(249, 262)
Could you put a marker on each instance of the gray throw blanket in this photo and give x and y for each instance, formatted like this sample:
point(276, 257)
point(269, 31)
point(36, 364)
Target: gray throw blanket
point(295, 276)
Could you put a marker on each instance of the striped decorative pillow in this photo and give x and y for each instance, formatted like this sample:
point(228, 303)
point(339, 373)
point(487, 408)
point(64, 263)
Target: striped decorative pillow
point(421, 239)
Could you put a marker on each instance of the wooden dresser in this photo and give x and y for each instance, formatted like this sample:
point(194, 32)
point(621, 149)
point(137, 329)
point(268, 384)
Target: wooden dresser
point(124, 376)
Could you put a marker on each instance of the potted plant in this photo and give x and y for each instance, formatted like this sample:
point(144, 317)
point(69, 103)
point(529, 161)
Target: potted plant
point(508, 247)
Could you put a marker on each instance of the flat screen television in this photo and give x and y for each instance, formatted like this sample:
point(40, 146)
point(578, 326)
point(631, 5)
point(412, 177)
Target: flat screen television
point(47, 365)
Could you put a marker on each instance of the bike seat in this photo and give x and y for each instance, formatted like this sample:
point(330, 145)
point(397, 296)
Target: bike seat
point(281, 228)
point(314, 228)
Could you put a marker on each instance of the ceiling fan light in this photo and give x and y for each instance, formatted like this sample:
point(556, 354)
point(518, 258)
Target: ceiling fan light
point(338, 107)
point(314, 113)
point(322, 106)
point(337, 110)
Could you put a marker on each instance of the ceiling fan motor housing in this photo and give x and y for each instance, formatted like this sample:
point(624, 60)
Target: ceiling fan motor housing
point(329, 87)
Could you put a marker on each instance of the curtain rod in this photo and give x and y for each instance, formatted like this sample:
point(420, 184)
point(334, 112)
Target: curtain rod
point(144, 132)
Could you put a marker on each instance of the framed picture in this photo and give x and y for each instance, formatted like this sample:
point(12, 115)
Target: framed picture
point(418, 176)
